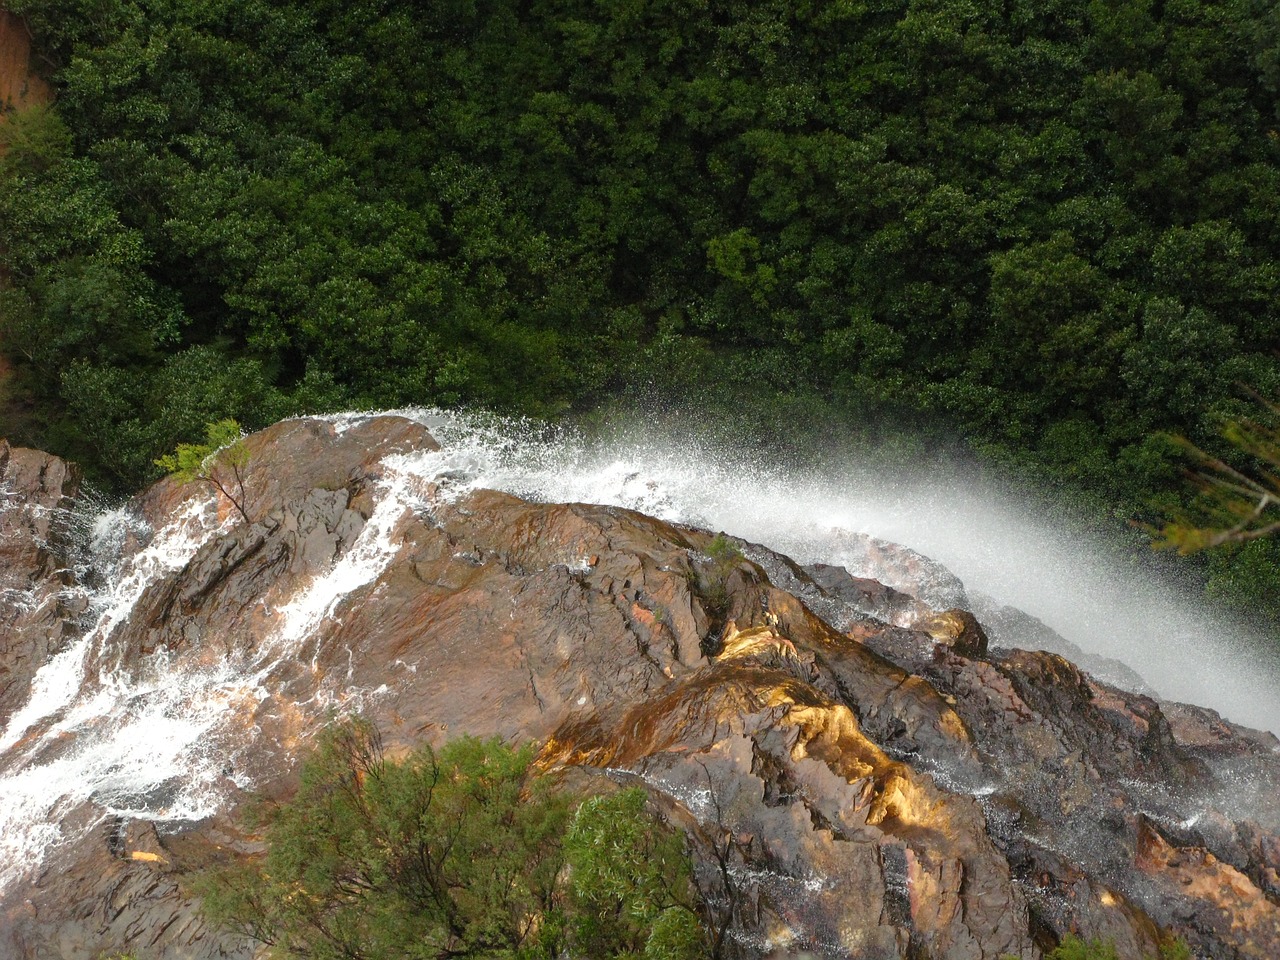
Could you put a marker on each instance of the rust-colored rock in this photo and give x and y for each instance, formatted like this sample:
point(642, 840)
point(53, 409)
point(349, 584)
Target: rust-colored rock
point(1213, 898)
point(20, 85)
point(958, 629)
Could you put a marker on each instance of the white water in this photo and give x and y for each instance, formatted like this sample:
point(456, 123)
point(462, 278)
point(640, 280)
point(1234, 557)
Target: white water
point(993, 539)
point(140, 733)
point(160, 745)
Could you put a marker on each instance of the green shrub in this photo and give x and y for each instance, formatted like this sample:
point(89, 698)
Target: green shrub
point(219, 461)
point(630, 883)
point(454, 853)
point(713, 583)
point(1073, 948)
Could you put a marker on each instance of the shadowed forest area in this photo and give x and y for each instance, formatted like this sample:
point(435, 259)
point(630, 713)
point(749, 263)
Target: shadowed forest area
point(1048, 229)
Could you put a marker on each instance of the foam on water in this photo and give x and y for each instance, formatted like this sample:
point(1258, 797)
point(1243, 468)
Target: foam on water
point(111, 738)
point(159, 742)
point(154, 763)
point(400, 493)
point(57, 682)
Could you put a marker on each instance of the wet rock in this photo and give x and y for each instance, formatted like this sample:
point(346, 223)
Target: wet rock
point(117, 887)
point(39, 603)
point(901, 568)
point(958, 629)
point(848, 851)
point(869, 597)
point(1010, 628)
point(1064, 898)
point(1215, 902)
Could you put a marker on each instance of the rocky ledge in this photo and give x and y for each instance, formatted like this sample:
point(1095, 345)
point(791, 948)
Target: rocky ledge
point(860, 773)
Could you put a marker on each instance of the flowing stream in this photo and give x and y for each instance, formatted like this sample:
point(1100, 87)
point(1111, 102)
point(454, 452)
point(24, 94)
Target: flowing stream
point(158, 743)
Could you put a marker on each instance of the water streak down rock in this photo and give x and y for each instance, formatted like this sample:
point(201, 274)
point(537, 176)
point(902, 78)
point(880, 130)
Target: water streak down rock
point(850, 787)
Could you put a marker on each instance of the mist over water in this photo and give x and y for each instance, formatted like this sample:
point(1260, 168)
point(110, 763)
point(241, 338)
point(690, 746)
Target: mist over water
point(1017, 549)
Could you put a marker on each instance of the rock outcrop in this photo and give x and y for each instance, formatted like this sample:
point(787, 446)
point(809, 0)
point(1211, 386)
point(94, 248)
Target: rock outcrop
point(20, 86)
point(859, 774)
point(39, 607)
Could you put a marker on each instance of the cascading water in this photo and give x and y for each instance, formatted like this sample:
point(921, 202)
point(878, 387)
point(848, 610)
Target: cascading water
point(111, 738)
point(987, 536)
point(162, 744)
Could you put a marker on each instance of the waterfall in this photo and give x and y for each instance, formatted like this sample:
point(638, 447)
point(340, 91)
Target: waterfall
point(162, 743)
point(109, 737)
point(996, 541)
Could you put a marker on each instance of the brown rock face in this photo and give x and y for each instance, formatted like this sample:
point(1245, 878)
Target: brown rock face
point(958, 629)
point(904, 570)
point(901, 792)
point(38, 607)
point(19, 85)
point(868, 597)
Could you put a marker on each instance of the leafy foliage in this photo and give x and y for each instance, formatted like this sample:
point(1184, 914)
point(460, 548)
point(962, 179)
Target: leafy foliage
point(454, 854)
point(1233, 506)
point(219, 462)
point(711, 582)
point(1073, 948)
point(631, 883)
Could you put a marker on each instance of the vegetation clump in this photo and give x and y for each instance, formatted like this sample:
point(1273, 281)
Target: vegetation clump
point(1234, 506)
point(712, 585)
point(463, 852)
point(219, 462)
point(1074, 948)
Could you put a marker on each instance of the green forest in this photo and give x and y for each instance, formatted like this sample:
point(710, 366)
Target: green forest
point(1050, 229)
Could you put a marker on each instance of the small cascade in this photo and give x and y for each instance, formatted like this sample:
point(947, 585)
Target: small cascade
point(404, 491)
point(161, 741)
point(127, 743)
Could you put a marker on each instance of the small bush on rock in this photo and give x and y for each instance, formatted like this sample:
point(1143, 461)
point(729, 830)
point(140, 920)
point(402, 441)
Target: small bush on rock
point(1073, 948)
point(630, 882)
point(460, 852)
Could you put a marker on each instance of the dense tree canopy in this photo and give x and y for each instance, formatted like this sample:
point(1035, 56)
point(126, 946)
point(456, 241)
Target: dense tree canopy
point(1055, 225)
